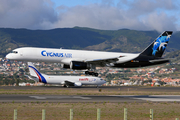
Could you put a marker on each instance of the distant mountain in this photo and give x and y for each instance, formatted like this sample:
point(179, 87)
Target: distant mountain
point(122, 40)
point(175, 56)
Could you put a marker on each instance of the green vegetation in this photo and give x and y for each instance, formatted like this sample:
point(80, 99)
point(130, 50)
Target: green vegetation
point(88, 111)
point(14, 79)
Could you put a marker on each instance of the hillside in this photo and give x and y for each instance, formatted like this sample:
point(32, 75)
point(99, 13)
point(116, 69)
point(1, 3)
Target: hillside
point(123, 40)
point(175, 56)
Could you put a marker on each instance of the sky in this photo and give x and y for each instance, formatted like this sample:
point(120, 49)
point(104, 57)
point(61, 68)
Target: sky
point(159, 15)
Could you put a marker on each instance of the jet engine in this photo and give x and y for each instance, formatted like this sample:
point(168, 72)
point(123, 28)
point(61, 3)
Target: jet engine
point(66, 66)
point(79, 65)
point(77, 84)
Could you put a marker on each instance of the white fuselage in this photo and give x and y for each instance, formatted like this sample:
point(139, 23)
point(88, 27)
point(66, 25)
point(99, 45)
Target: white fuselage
point(64, 56)
point(64, 80)
point(78, 80)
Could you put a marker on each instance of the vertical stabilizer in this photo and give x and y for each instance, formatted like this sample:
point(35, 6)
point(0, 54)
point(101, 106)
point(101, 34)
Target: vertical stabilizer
point(34, 72)
point(31, 69)
point(158, 46)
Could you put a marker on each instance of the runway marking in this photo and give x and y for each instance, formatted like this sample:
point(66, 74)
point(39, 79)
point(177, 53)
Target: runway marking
point(158, 98)
point(37, 97)
point(169, 98)
point(60, 97)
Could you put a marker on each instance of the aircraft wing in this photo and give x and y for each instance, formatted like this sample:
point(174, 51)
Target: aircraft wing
point(28, 76)
point(69, 83)
point(104, 61)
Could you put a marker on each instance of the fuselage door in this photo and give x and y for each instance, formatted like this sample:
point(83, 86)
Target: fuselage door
point(21, 53)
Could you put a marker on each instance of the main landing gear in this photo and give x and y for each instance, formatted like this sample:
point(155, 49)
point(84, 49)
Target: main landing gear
point(66, 86)
point(91, 73)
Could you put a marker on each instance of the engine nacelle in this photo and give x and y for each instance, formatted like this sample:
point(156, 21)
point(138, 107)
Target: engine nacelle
point(78, 84)
point(66, 66)
point(79, 65)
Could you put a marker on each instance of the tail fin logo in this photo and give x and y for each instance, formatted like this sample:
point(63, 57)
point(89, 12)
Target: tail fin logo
point(160, 44)
point(41, 78)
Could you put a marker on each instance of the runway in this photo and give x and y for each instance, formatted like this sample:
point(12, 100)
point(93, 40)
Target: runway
point(84, 88)
point(89, 99)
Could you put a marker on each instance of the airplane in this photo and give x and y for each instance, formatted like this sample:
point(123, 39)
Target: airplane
point(67, 81)
point(89, 60)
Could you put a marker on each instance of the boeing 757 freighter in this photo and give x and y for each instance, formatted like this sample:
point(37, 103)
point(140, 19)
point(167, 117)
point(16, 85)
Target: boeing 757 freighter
point(82, 59)
point(67, 81)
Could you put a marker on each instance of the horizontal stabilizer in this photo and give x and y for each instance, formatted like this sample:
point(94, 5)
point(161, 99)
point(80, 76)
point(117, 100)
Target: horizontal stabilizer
point(159, 60)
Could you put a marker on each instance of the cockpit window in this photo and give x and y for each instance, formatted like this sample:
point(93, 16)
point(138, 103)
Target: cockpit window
point(14, 52)
point(101, 79)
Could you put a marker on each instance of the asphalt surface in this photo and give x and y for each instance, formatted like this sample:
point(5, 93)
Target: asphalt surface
point(109, 88)
point(90, 98)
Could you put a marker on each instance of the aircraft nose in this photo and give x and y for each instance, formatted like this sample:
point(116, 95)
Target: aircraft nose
point(8, 56)
point(103, 81)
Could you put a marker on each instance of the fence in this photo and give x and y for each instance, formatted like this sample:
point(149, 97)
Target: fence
point(98, 114)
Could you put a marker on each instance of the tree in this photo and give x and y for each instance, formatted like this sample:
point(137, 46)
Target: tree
point(16, 78)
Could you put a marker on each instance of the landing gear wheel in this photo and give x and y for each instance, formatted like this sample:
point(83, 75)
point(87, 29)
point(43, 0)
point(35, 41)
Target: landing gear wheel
point(91, 73)
point(87, 72)
point(96, 74)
